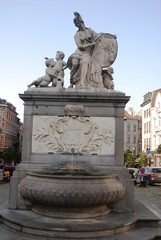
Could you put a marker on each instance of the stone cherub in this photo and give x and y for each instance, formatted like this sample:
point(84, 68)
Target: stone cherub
point(59, 68)
point(108, 78)
point(53, 73)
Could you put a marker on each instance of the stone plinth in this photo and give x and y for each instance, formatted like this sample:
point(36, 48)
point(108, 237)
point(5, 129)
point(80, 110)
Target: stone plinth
point(85, 127)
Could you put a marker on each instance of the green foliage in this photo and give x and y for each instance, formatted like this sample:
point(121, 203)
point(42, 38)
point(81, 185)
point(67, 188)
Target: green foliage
point(12, 154)
point(159, 149)
point(131, 171)
point(129, 159)
point(8, 154)
point(142, 160)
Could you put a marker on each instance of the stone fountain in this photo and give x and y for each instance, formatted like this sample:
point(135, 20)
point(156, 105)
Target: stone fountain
point(74, 196)
point(72, 175)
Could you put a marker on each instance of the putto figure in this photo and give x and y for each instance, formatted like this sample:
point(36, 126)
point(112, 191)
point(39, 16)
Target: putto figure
point(108, 78)
point(59, 68)
point(47, 78)
point(94, 52)
point(53, 73)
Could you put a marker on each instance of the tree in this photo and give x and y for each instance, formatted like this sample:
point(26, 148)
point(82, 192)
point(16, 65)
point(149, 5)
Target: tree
point(143, 159)
point(159, 149)
point(12, 154)
point(129, 159)
point(8, 154)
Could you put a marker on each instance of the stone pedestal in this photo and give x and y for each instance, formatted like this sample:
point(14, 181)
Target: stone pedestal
point(80, 128)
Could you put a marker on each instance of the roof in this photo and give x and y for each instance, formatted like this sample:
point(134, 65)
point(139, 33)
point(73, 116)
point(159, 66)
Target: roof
point(150, 97)
point(3, 101)
point(155, 93)
point(129, 116)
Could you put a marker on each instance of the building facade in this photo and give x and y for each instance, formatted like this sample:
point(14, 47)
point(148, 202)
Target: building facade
point(151, 120)
point(9, 125)
point(131, 136)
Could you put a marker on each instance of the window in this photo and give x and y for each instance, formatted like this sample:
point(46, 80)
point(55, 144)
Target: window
point(134, 128)
point(149, 127)
point(134, 139)
point(144, 114)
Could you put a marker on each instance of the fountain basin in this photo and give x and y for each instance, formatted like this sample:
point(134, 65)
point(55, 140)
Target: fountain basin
point(55, 195)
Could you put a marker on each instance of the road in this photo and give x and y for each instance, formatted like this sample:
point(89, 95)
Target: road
point(149, 195)
point(4, 189)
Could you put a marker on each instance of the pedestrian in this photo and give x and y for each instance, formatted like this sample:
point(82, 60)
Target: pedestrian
point(142, 172)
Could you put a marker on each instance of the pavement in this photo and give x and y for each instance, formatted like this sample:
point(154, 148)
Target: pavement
point(7, 233)
point(148, 202)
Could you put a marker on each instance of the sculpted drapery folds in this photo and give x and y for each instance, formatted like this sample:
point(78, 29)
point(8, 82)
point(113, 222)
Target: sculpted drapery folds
point(94, 52)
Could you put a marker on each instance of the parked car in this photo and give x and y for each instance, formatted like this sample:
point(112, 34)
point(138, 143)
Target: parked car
point(9, 168)
point(4, 175)
point(153, 175)
point(133, 172)
point(150, 176)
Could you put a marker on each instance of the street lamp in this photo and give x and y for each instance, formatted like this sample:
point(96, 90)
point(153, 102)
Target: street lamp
point(133, 151)
point(148, 152)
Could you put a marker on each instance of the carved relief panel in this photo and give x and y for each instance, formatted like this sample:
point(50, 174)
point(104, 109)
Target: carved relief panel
point(73, 135)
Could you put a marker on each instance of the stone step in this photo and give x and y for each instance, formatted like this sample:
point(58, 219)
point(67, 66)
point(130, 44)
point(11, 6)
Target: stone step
point(142, 223)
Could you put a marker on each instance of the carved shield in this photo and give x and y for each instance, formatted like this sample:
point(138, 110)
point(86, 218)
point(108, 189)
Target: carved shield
point(105, 50)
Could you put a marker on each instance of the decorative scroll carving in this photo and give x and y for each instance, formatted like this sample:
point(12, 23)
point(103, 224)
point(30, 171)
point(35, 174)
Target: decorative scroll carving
point(73, 135)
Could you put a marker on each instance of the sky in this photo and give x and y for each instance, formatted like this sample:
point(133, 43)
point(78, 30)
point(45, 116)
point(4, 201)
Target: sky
point(34, 29)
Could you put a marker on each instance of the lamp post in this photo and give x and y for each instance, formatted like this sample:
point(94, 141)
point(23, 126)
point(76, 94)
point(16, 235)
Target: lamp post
point(148, 152)
point(133, 151)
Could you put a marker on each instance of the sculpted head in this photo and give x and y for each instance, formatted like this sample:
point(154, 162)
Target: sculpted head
point(60, 55)
point(50, 62)
point(78, 19)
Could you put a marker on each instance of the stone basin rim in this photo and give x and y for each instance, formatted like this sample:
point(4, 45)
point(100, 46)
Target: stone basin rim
point(70, 176)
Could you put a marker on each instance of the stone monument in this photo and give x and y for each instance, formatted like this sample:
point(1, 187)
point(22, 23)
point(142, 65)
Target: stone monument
point(72, 175)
